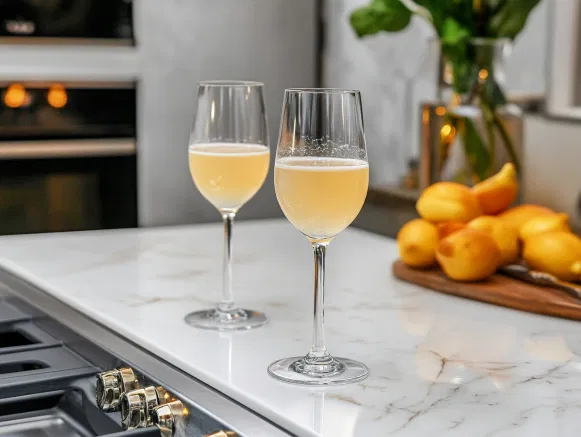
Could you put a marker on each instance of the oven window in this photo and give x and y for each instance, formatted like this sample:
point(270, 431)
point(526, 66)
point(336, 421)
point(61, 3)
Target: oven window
point(49, 203)
point(54, 195)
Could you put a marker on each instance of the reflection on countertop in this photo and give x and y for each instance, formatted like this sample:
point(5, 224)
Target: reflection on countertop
point(439, 365)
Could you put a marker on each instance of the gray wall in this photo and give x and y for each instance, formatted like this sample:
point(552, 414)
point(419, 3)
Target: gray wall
point(184, 41)
point(551, 173)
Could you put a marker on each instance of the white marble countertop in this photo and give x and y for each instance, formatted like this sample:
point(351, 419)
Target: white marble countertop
point(439, 365)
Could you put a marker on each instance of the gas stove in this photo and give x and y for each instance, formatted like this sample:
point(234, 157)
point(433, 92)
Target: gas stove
point(64, 375)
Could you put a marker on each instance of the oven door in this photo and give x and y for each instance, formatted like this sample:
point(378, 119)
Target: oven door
point(67, 193)
point(67, 156)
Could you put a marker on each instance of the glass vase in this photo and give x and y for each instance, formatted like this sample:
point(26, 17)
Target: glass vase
point(472, 130)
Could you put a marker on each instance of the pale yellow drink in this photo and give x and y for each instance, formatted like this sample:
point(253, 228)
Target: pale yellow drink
point(228, 174)
point(321, 196)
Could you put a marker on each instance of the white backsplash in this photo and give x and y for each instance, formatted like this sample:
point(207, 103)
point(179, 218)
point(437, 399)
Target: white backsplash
point(551, 174)
point(396, 72)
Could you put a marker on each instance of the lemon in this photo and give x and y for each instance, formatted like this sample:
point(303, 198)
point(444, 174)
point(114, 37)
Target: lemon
point(498, 192)
point(504, 236)
point(468, 255)
point(416, 242)
point(558, 253)
point(447, 202)
point(447, 228)
point(545, 223)
point(519, 215)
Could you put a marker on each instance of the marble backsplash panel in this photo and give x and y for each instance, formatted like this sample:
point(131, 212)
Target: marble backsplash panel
point(396, 72)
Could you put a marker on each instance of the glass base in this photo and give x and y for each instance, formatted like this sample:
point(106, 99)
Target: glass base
point(234, 320)
point(323, 371)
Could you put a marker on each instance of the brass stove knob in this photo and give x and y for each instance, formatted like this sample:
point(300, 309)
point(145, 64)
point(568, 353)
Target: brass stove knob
point(137, 406)
point(112, 385)
point(167, 417)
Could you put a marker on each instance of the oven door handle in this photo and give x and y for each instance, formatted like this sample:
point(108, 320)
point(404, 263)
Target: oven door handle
point(82, 148)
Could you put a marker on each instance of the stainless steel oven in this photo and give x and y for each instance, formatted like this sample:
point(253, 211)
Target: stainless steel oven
point(67, 156)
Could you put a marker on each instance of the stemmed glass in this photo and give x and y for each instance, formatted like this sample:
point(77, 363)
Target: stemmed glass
point(229, 160)
point(321, 177)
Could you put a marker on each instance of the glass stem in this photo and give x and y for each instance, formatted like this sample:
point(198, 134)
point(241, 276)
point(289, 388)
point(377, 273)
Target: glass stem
point(227, 302)
point(318, 349)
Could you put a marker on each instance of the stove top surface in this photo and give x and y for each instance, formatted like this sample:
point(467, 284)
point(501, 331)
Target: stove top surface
point(48, 384)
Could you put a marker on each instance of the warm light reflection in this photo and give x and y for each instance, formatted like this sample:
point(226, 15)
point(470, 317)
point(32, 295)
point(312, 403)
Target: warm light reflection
point(447, 133)
point(425, 116)
point(57, 96)
point(15, 96)
point(440, 110)
point(483, 74)
point(456, 100)
point(448, 73)
point(186, 411)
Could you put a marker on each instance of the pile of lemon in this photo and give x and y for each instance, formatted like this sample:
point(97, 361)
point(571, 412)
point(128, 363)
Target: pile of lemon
point(471, 232)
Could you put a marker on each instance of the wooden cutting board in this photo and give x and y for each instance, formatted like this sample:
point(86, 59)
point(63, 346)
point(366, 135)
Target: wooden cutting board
point(498, 290)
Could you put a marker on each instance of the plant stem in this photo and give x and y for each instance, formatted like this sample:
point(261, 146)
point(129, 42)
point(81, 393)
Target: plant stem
point(477, 7)
point(419, 10)
point(475, 148)
point(492, 146)
point(507, 141)
point(487, 113)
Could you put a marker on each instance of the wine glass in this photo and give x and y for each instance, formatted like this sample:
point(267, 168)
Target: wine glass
point(229, 160)
point(321, 176)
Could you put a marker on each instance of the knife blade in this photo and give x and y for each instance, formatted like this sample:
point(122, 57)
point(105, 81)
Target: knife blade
point(541, 278)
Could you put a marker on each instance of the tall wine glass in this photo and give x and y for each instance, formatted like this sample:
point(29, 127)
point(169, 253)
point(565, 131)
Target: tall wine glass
point(321, 177)
point(229, 160)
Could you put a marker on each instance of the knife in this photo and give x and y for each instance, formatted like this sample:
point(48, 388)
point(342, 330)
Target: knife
point(541, 278)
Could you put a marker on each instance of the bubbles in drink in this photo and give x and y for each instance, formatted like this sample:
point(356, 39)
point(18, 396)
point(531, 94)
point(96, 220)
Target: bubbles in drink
point(321, 196)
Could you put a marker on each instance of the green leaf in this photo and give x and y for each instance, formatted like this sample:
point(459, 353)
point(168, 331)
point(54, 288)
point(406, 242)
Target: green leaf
point(380, 15)
point(475, 149)
point(493, 94)
point(453, 33)
point(508, 143)
point(511, 18)
point(442, 10)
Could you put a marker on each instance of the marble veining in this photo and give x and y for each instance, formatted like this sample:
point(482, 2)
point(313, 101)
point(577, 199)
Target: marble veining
point(439, 365)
